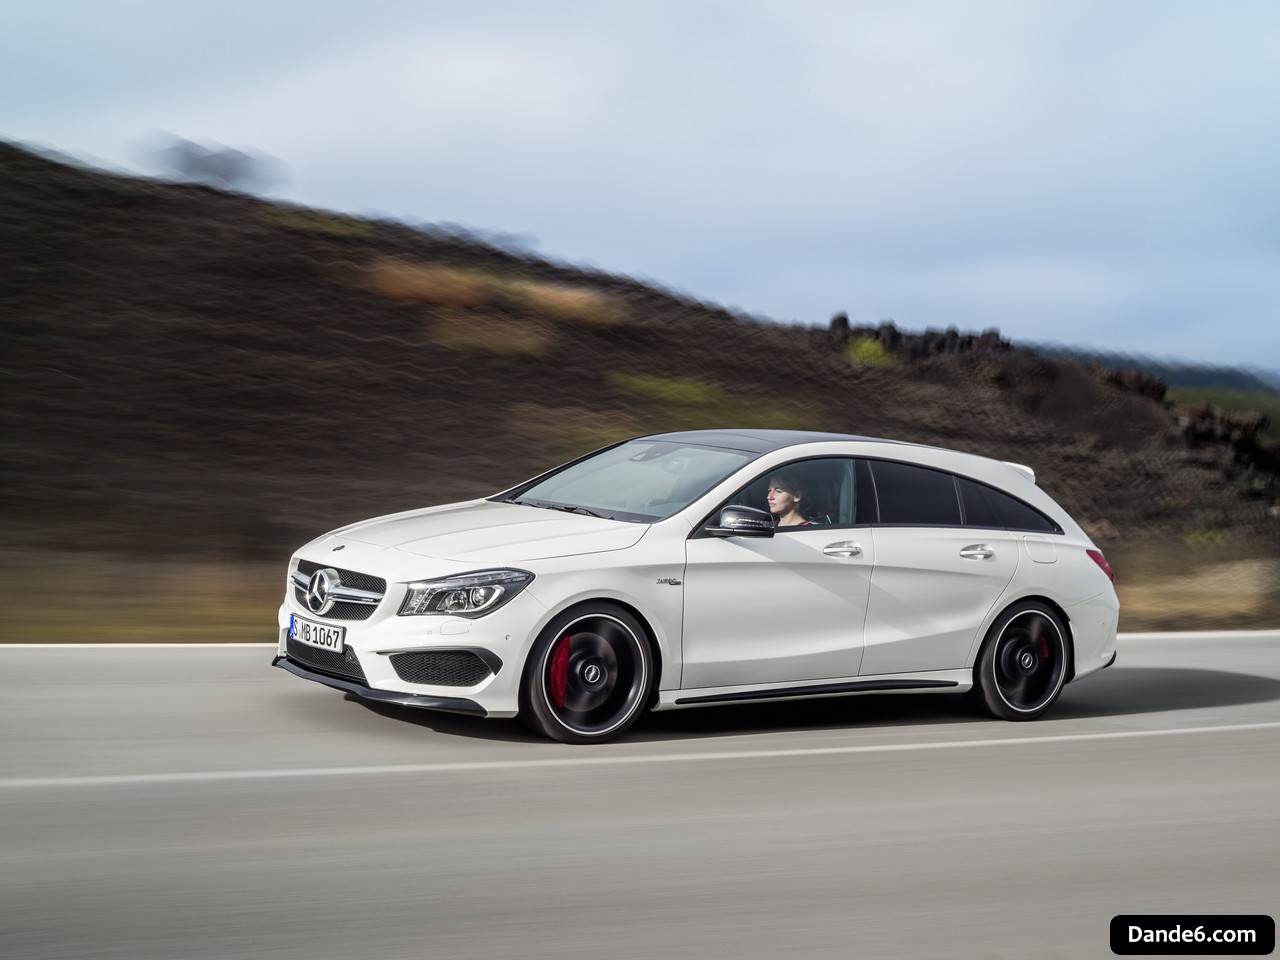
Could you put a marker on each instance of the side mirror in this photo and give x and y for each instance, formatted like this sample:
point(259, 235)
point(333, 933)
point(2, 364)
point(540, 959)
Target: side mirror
point(742, 522)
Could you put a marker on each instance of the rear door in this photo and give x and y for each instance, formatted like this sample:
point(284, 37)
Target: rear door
point(936, 578)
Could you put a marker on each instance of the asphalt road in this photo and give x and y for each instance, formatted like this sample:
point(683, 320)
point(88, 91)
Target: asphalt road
point(173, 803)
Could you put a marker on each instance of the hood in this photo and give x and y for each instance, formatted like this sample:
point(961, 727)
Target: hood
point(483, 531)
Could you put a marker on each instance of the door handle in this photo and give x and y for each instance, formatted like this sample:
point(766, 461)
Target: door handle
point(977, 551)
point(843, 548)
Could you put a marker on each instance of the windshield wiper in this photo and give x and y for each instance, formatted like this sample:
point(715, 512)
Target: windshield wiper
point(585, 511)
point(566, 507)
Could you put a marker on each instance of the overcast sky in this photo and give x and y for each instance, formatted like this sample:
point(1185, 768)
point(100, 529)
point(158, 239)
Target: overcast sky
point(1102, 174)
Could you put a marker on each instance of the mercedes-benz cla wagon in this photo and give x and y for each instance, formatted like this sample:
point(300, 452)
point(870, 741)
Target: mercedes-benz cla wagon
point(709, 567)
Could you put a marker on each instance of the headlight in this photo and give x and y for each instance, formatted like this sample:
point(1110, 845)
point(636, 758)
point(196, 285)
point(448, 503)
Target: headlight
point(467, 595)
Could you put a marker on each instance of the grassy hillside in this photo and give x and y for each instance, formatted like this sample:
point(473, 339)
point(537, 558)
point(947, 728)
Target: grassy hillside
point(198, 381)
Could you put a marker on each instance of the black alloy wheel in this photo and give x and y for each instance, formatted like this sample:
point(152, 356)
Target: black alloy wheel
point(588, 676)
point(1023, 663)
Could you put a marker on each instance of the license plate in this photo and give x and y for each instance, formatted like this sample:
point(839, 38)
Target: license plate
point(316, 634)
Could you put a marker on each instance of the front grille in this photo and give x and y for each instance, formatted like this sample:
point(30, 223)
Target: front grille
point(442, 668)
point(342, 664)
point(342, 609)
point(349, 578)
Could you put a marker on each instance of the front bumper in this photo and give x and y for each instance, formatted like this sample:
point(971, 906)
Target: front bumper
point(502, 637)
point(419, 700)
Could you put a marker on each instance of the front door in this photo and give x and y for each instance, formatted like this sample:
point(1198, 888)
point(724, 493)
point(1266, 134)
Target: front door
point(786, 608)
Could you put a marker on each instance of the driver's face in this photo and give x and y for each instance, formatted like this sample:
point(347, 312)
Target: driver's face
point(781, 502)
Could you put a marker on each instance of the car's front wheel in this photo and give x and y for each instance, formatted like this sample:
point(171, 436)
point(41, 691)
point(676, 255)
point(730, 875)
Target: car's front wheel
point(588, 676)
point(1023, 663)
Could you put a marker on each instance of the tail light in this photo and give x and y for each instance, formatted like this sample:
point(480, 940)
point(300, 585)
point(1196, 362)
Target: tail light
point(1097, 557)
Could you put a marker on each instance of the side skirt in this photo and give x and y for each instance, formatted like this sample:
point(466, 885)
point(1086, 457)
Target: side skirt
point(934, 681)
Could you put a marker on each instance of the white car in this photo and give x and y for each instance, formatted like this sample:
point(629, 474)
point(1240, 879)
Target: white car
point(705, 567)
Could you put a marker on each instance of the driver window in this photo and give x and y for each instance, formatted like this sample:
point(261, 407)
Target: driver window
point(806, 494)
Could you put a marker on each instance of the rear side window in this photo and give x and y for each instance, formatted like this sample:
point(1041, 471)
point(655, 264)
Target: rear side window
point(1016, 515)
point(987, 507)
point(915, 495)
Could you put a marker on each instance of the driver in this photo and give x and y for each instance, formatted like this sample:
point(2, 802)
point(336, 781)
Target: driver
point(785, 497)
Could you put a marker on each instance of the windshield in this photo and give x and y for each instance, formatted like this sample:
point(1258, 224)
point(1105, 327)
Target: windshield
point(640, 481)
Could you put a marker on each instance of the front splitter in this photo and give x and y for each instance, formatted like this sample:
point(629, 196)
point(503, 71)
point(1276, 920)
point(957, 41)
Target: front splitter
point(417, 700)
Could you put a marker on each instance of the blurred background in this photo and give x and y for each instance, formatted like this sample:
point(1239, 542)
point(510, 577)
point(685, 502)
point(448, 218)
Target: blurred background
point(268, 269)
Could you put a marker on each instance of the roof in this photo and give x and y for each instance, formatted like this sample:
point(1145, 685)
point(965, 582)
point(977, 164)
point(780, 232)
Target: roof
point(759, 441)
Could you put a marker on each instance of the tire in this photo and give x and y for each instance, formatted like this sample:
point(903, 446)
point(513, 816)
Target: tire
point(1023, 665)
point(589, 675)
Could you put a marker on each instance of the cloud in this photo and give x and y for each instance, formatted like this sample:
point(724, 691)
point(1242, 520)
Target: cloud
point(1052, 169)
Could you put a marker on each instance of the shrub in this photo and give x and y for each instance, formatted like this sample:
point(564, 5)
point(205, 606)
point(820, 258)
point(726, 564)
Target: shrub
point(558, 301)
point(435, 284)
point(868, 352)
point(681, 390)
point(1206, 537)
point(445, 286)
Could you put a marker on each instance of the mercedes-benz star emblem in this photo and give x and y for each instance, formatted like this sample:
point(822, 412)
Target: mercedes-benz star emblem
point(1027, 660)
point(320, 590)
point(592, 673)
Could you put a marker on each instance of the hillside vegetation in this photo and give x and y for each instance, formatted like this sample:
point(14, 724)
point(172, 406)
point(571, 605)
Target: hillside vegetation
point(1240, 402)
point(1175, 373)
point(195, 377)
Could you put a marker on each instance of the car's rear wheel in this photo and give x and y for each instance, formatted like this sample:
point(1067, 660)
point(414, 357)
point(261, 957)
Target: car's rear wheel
point(1023, 663)
point(588, 675)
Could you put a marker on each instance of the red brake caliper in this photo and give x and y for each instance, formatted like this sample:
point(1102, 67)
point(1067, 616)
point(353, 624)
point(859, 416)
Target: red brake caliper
point(1044, 648)
point(559, 671)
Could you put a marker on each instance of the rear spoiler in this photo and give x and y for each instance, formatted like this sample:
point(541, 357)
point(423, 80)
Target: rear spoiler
point(1023, 469)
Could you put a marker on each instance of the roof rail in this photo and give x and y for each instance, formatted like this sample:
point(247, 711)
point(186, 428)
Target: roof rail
point(1023, 469)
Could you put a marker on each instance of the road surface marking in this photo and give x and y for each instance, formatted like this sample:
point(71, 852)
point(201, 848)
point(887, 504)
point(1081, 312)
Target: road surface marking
point(210, 776)
point(1202, 635)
